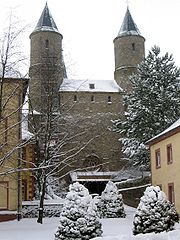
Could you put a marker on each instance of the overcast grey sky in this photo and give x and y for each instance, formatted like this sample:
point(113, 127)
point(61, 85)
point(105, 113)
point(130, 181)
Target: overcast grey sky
point(89, 27)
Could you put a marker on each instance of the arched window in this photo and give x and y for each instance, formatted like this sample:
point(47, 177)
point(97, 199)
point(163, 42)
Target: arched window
point(92, 162)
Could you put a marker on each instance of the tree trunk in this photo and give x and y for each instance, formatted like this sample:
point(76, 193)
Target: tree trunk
point(41, 204)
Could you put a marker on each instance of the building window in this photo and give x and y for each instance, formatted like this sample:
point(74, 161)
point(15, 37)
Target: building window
point(47, 43)
point(133, 46)
point(169, 154)
point(92, 98)
point(92, 86)
point(158, 158)
point(109, 99)
point(171, 196)
point(75, 98)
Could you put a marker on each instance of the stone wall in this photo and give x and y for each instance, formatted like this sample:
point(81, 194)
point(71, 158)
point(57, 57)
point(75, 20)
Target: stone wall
point(133, 190)
point(94, 120)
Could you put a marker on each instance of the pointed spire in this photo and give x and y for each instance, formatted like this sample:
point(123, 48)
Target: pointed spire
point(46, 22)
point(128, 26)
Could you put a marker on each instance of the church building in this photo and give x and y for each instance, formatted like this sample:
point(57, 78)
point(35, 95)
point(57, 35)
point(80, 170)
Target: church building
point(84, 109)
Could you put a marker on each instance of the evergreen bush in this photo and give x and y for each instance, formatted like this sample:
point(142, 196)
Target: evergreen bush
point(154, 213)
point(111, 202)
point(78, 219)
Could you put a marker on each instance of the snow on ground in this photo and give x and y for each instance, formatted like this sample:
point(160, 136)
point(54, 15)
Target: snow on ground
point(113, 229)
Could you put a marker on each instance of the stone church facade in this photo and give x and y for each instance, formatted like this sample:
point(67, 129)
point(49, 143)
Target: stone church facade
point(86, 107)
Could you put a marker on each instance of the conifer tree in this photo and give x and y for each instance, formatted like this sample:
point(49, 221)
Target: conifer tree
point(151, 106)
point(111, 202)
point(78, 219)
point(154, 213)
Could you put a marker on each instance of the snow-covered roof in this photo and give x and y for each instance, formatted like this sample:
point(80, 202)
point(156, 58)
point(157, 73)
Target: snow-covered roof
point(92, 176)
point(46, 22)
point(86, 85)
point(128, 26)
point(26, 135)
point(168, 130)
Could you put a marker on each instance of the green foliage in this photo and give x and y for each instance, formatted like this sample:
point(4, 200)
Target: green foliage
point(153, 104)
point(110, 203)
point(78, 219)
point(154, 213)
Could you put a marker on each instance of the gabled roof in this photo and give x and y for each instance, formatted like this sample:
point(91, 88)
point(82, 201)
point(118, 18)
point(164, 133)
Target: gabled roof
point(87, 85)
point(46, 22)
point(173, 129)
point(128, 26)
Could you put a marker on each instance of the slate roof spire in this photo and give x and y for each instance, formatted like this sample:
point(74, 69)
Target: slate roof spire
point(128, 26)
point(46, 22)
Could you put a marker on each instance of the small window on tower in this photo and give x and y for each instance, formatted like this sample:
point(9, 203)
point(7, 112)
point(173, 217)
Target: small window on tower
point(133, 46)
point(47, 43)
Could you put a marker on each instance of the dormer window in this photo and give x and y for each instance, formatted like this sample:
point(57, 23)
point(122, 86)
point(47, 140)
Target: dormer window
point(92, 86)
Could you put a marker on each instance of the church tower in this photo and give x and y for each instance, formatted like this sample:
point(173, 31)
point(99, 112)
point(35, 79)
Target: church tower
point(46, 63)
point(128, 50)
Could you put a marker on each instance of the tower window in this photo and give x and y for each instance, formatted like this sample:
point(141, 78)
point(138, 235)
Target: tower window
point(47, 43)
point(133, 46)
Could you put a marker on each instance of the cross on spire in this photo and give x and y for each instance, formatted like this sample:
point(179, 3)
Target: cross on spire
point(127, 2)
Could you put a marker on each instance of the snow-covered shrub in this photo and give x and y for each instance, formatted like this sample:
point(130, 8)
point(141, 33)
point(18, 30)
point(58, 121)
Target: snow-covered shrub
point(98, 205)
point(154, 213)
point(78, 219)
point(111, 203)
point(30, 210)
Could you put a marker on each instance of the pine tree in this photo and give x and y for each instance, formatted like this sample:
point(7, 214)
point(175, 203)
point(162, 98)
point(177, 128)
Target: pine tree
point(154, 213)
point(78, 219)
point(111, 203)
point(152, 106)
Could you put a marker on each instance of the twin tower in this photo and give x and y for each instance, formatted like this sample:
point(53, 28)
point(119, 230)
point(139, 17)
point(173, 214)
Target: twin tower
point(47, 68)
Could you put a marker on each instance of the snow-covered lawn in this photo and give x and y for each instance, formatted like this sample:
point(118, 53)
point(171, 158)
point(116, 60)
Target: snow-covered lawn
point(113, 229)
